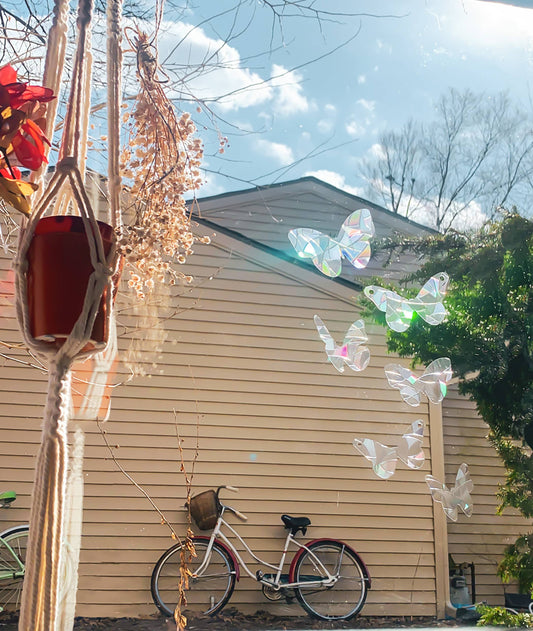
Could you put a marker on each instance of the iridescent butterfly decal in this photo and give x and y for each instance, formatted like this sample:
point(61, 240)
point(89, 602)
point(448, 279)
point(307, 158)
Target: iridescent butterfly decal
point(384, 459)
point(456, 497)
point(327, 252)
point(352, 353)
point(432, 383)
point(399, 311)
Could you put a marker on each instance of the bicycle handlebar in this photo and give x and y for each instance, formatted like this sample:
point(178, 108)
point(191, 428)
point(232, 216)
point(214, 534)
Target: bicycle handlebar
point(237, 513)
point(240, 515)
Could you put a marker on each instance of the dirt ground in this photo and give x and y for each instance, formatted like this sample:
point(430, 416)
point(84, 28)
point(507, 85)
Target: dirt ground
point(232, 620)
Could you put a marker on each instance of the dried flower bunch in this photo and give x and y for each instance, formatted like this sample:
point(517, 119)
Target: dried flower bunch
point(161, 163)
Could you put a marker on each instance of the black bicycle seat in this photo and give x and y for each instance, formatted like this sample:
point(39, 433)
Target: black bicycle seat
point(296, 523)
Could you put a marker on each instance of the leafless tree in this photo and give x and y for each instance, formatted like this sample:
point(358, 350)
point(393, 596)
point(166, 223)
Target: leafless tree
point(476, 155)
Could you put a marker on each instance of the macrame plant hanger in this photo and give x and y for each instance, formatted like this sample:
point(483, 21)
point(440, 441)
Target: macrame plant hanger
point(44, 583)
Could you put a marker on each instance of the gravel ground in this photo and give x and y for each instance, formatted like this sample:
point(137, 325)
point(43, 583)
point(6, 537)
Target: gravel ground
point(233, 620)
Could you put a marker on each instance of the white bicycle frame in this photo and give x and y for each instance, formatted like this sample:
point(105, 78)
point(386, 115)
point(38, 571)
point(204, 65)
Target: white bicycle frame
point(276, 583)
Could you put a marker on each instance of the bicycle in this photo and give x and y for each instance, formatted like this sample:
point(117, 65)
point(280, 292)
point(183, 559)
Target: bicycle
point(13, 545)
point(327, 577)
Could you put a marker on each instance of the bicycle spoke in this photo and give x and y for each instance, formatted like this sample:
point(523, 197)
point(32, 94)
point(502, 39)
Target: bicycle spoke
point(338, 600)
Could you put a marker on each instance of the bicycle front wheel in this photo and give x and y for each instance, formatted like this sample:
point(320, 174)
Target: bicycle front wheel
point(208, 591)
point(12, 568)
point(340, 600)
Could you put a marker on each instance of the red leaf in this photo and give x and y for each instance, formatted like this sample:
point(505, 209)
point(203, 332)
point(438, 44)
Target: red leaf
point(9, 173)
point(29, 154)
point(31, 93)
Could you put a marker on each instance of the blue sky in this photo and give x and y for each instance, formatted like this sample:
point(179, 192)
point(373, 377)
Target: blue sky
point(325, 116)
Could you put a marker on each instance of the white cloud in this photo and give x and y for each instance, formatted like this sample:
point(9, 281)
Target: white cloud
point(329, 108)
point(215, 68)
point(280, 152)
point(369, 106)
point(361, 79)
point(324, 126)
point(289, 98)
point(469, 218)
point(353, 128)
point(376, 151)
point(335, 179)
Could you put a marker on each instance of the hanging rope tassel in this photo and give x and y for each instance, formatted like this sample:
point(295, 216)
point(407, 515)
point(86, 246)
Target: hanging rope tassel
point(41, 583)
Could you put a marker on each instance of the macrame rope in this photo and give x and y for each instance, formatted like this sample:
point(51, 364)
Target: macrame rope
point(70, 143)
point(114, 100)
point(53, 73)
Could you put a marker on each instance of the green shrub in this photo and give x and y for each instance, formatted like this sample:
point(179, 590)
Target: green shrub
point(500, 616)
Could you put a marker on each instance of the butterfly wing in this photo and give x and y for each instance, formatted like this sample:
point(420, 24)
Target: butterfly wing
point(332, 350)
point(440, 493)
point(410, 448)
point(405, 381)
point(357, 355)
point(428, 303)
point(325, 335)
point(383, 458)
point(380, 297)
point(321, 249)
point(462, 489)
point(455, 498)
point(436, 376)
point(398, 312)
point(353, 237)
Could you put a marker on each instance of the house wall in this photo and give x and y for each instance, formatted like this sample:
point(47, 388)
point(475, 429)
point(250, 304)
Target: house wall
point(480, 539)
point(243, 368)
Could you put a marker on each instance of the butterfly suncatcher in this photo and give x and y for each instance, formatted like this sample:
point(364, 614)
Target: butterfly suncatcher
point(384, 459)
point(326, 252)
point(456, 497)
point(352, 353)
point(432, 383)
point(399, 311)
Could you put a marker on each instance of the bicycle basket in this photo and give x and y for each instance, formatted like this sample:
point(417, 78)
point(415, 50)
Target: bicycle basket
point(205, 509)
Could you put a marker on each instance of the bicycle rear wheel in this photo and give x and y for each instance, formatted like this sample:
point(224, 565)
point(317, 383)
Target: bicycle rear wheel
point(208, 592)
point(346, 596)
point(11, 574)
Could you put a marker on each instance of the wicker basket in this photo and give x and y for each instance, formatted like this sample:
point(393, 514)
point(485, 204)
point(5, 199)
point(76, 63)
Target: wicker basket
point(205, 509)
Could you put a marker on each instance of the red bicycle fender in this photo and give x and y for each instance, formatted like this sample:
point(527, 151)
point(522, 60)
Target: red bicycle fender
point(302, 550)
point(230, 554)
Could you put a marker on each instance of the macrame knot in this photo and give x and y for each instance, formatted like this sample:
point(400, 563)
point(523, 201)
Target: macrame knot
point(67, 164)
point(102, 270)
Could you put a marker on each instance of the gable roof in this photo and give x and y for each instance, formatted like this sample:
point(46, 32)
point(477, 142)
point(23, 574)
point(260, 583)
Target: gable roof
point(265, 214)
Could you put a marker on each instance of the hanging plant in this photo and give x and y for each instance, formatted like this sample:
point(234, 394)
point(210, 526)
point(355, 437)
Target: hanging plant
point(161, 163)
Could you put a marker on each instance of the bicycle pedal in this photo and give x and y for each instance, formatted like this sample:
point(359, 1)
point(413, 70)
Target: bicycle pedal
point(259, 575)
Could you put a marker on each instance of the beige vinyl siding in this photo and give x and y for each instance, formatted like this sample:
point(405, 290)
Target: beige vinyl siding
point(243, 366)
point(268, 215)
point(482, 538)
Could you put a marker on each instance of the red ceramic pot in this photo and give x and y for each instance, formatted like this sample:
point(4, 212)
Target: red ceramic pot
point(59, 267)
